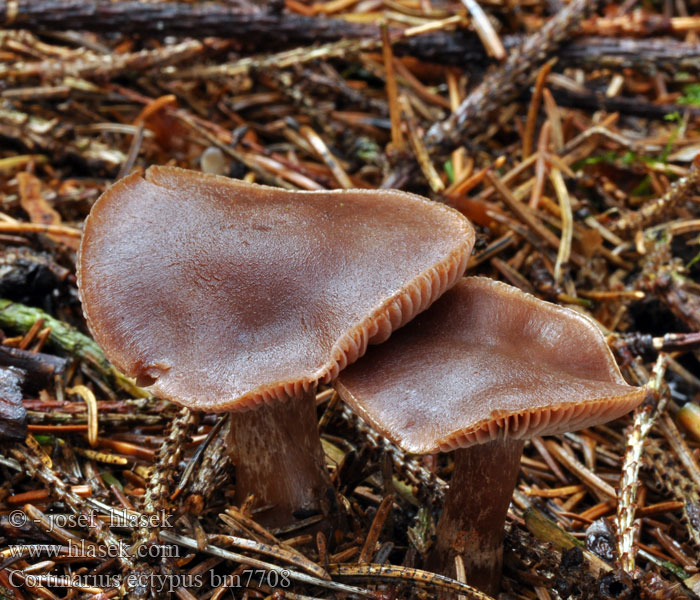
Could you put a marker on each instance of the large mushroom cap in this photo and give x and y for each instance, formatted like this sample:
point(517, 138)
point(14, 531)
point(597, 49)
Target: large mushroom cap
point(224, 294)
point(487, 361)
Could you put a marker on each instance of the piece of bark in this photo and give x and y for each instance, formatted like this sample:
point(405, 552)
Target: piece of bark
point(464, 49)
point(245, 21)
point(276, 29)
point(648, 55)
point(13, 417)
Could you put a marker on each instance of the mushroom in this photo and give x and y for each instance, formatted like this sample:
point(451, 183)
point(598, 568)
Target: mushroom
point(486, 367)
point(222, 295)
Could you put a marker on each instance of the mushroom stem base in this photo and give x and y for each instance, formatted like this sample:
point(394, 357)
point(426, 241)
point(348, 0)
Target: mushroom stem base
point(474, 514)
point(278, 456)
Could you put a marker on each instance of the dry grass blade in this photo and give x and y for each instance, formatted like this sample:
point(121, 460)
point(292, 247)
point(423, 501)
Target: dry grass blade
point(91, 403)
point(325, 154)
point(368, 549)
point(567, 223)
point(278, 552)
point(418, 148)
point(486, 32)
point(392, 92)
point(58, 230)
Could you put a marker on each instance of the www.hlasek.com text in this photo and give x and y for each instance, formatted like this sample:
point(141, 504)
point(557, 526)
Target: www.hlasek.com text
point(87, 549)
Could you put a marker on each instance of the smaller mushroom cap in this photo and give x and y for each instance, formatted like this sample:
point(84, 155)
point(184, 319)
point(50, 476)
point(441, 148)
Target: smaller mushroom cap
point(487, 361)
point(223, 294)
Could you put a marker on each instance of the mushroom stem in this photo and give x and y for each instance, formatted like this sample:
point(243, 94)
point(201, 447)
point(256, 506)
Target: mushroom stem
point(474, 513)
point(278, 457)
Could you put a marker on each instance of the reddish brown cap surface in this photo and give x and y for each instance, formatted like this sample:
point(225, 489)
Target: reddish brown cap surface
point(486, 361)
point(225, 294)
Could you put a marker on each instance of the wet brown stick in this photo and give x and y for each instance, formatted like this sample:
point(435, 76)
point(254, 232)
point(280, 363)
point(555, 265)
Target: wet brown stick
point(475, 508)
point(626, 106)
point(41, 368)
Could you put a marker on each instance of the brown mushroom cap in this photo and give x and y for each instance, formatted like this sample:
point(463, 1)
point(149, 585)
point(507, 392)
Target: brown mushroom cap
point(487, 361)
point(224, 294)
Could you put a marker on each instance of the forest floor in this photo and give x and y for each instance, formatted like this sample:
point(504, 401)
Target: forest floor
point(566, 133)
